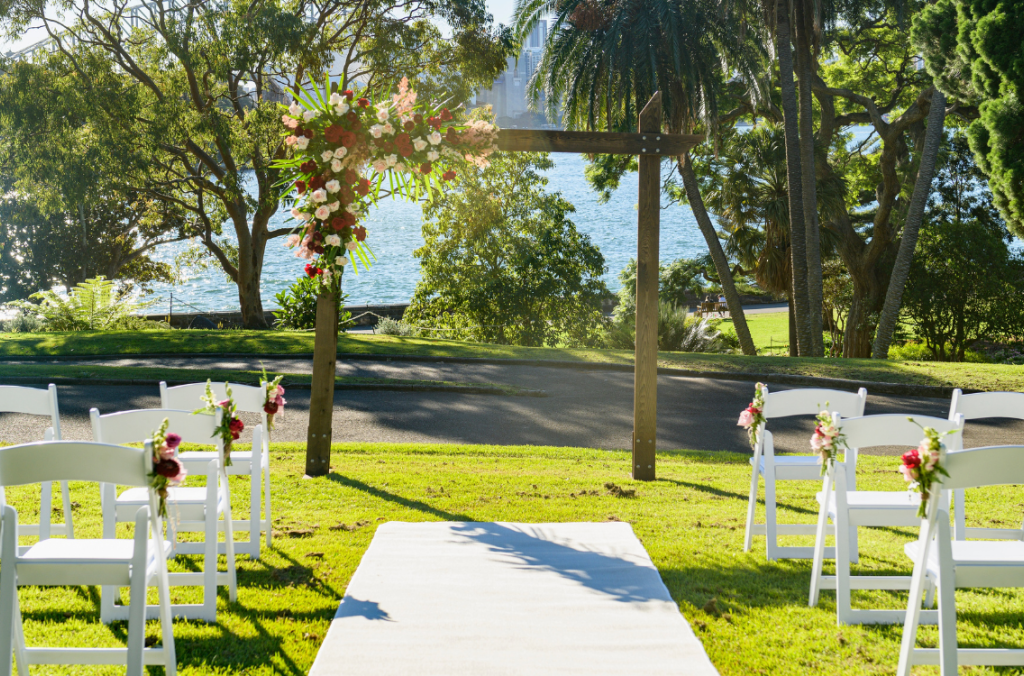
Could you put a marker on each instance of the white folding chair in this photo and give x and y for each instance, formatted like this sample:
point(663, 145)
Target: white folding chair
point(137, 563)
point(950, 564)
point(254, 463)
point(774, 468)
point(189, 509)
point(33, 401)
point(978, 407)
point(849, 509)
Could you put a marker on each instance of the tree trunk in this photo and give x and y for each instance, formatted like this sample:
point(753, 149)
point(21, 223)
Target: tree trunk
point(250, 270)
point(321, 398)
point(797, 236)
point(915, 215)
point(707, 228)
point(792, 320)
point(805, 66)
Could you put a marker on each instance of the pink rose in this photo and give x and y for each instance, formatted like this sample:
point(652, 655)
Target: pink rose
point(224, 404)
point(816, 441)
point(746, 419)
point(909, 475)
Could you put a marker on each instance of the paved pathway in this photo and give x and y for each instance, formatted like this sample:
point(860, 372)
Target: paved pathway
point(591, 408)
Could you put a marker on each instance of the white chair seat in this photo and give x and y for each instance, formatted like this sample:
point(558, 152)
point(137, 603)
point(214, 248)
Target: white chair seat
point(80, 551)
point(241, 461)
point(978, 563)
point(874, 500)
point(179, 495)
point(792, 460)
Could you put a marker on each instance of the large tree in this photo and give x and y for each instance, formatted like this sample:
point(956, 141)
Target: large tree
point(604, 60)
point(207, 78)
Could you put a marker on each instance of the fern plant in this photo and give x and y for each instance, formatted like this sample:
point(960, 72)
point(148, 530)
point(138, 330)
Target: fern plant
point(96, 304)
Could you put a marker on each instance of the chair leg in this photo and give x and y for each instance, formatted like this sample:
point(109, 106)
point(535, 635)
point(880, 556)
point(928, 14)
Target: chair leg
point(166, 625)
point(255, 481)
point(819, 554)
point(269, 522)
point(843, 603)
point(69, 524)
point(210, 568)
point(45, 507)
point(229, 549)
point(772, 544)
point(911, 623)
point(137, 617)
point(8, 607)
point(959, 515)
point(20, 654)
point(947, 626)
point(751, 506)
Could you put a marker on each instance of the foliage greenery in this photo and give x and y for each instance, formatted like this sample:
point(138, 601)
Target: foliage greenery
point(750, 615)
point(96, 304)
point(502, 263)
point(298, 306)
point(677, 332)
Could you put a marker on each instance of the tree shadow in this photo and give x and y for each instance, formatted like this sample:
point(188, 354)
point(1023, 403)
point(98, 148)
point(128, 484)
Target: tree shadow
point(396, 499)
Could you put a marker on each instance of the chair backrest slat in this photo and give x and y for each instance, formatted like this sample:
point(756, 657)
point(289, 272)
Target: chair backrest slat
point(189, 397)
point(809, 401)
point(986, 466)
point(29, 400)
point(897, 430)
point(74, 461)
point(988, 405)
point(128, 427)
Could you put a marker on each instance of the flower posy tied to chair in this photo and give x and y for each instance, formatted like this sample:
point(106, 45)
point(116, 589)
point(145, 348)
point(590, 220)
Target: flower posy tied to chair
point(343, 148)
point(827, 439)
point(752, 417)
point(922, 466)
point(167, 469)
point(273, 398)
point(230, 425)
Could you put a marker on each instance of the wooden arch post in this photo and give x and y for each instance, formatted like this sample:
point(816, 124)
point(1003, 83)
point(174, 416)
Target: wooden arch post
point(651, 145)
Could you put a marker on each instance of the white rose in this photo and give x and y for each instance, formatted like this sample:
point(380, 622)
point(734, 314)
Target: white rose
point(388, 129)
point(334, 206)
point(401, 168)
point(310, 114)
point(335, 98)
point(392, 160)
point(336, 166)
point(352, 209)
point(333, 240)
point(295, 109)
point(319, 195)
point(434, 138)
point(419, 144)
point(323, 212)
point(341, 108)
point(327, 274)
point(304, 216)
point(351, 246)
point(296, 213)
point(376, 130)
point(341, 261)
point(380, 166)
point(433, 156)
point(326, 155)
point(302, 143)
point(340, 152)
point(382, 115)
point(333, 186)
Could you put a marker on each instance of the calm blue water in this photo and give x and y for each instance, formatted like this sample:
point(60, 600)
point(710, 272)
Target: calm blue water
point(395, 232)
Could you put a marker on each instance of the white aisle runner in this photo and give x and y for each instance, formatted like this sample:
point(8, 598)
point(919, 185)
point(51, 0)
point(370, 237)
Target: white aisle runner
point(468, 599)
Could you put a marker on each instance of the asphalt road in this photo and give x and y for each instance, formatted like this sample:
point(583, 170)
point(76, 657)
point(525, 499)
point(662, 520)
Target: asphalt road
point(589, 408)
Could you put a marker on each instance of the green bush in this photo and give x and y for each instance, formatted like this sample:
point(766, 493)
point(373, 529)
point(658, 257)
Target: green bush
point(921, 352)
point(97, 304)
point(21, 322)
point(677, 332)
point(394, 327)
point(298, 306)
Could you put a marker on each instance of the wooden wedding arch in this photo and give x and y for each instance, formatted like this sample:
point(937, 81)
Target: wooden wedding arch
point(651, 145)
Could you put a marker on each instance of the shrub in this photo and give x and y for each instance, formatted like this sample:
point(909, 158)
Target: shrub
point(921, 352)
point(677, 332)
point(97, 304)
point(394, 327)
point(21, 322)
point(298, 306)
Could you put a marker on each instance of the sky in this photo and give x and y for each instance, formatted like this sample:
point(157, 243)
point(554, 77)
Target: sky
point(500, 9)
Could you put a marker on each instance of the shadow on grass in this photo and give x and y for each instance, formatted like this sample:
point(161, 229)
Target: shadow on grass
point(396, 499)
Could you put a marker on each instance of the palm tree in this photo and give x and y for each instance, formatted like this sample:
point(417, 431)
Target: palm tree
point(605, 58)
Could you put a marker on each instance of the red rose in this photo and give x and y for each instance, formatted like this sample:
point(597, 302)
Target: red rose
point(409, 126)
point(351, 176)
point(417, 118)
point(301, 186)
point(172, 440)
point(337, 223)
point(426, 168)
point(234, 436)
point(434, 122)
point(348, 139)
point(333, 133)
point(911, 459)
point(352, 117)
point(169, 468)
point(405, 151)
point(363, 102)
point(347, 94)
point(453, 135)
point(308, 133)
point(403, 139)
point(363, 188)
point(448, 175)
point(445, 115)
point(349, 220)
point(318, 249)
point(236, 425)
point(308, 167)
point(311, 270)
point(270, 408)
point(317, 182)
point(360, 233)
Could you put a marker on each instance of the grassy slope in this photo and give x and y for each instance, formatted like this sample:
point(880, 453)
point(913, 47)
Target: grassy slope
point(752, 616)
point(153, 374)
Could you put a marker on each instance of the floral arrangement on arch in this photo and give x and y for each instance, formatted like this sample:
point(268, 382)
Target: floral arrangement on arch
point(231, 426)
point(167, 469)
point(343, 149)
point(826, 439)
point(273, 398)
point(922, 466)
point(752, 417)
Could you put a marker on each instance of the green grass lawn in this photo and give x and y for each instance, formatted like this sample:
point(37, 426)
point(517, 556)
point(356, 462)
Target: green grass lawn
point(769, 331)
point(751, 616)
point(151, 375)
point(974, 376)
